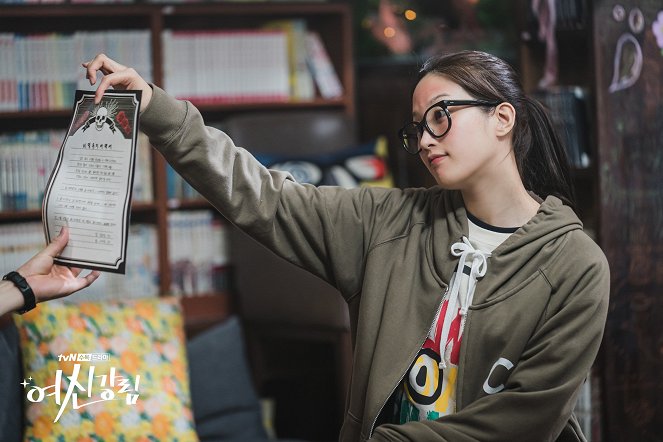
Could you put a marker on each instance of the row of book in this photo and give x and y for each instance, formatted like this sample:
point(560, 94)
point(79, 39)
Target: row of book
point(222, 66)
point(571, 14)
point(27, 159)
point(198, 253)
point(42, 72)
point(568, 110)
point(309, 65)
point(19, 242)
point(198, 257)
point(178, 189)
point(280, 62)
point(583, 409)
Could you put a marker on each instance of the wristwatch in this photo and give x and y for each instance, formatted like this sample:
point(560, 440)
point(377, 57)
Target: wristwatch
point(26, 290)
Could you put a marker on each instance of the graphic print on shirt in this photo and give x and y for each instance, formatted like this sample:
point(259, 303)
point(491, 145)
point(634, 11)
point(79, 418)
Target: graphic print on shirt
point(430, 390)
point(430, 385)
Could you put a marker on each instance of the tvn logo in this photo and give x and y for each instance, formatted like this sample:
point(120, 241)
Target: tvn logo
point(84, 357)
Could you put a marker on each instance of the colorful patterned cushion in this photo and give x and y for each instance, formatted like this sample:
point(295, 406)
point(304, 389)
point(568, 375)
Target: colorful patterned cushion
point(144, 343)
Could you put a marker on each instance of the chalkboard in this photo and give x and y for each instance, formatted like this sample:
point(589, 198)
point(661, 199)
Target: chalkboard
point(628, 40)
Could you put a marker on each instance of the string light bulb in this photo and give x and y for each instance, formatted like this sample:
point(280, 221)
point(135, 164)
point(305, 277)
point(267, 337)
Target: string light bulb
point(410, 14)
point(389, 32)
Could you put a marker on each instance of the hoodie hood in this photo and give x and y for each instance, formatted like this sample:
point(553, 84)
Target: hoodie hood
point(512, 262)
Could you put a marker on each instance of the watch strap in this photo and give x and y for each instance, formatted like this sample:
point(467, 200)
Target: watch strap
point(28, 295)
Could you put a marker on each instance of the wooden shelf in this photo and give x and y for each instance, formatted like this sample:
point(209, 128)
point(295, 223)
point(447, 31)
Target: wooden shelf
point(331, 20)
point(175, 204)
point(269, 106)
point(21, 215)
point(317, 103)
point(575, 69)
point(205, 310)
point(35, 215)
point(295, 9)
point(63, 10)
point(15, 115)
point(333, 23)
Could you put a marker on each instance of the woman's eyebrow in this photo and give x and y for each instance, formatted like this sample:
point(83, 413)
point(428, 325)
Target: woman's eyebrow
point(437, 98)
point(432, 101)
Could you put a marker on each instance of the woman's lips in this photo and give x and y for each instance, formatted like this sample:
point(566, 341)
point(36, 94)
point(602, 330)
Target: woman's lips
point(434, 160)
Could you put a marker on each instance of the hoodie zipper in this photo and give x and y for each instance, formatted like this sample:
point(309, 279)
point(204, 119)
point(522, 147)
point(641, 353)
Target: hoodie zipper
point(439, 308)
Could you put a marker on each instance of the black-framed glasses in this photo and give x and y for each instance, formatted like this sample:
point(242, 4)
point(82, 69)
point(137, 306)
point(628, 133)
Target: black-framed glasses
point(436, 121)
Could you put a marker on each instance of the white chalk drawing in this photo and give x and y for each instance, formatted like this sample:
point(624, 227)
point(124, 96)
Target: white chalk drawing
point(627, 64)
point(657, 30)
point(619, 13)
point(636, 21)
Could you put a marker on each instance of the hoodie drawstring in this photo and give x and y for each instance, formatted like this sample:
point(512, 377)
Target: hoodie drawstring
point(479, 264)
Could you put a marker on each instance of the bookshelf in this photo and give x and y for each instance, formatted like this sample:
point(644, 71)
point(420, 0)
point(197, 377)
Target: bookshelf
point(572, 98)
point(331, 21)
point(571, 101)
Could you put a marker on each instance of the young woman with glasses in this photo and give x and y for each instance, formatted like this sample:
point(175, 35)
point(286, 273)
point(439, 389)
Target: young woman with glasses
point(477, 306)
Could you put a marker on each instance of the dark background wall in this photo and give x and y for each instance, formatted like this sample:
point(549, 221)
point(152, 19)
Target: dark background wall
point(630, 140)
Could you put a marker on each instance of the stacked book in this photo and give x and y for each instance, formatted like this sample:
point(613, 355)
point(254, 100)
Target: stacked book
point(41, 72)
point(142, 190)
point(226, 66)
point(278, 63)
point(20, 242)
point(178, 189)
point(27, 159)
point(299, 77)
point(571, 14)
point(198, 253)
point(568, 110)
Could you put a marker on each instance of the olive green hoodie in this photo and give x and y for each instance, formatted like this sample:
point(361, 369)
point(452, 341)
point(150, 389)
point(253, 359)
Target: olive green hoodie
point(535, 323)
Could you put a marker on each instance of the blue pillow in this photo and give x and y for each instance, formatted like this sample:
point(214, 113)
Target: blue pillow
point(225, 405)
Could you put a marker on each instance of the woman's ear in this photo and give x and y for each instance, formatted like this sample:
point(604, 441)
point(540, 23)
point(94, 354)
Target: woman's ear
point(506, 118)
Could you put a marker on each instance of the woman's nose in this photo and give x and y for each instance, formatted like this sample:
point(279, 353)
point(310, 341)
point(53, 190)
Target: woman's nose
point(426, 140)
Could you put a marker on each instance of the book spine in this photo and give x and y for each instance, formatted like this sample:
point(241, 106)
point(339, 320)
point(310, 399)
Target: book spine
point(230, 66)
point(321, 67)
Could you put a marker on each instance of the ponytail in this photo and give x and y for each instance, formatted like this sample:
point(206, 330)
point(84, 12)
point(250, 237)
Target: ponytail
point(544, 167)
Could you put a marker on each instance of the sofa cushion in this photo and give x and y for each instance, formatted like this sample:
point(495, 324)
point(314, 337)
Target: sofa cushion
point(140, 338)
point(225, 405)
point(362, 165)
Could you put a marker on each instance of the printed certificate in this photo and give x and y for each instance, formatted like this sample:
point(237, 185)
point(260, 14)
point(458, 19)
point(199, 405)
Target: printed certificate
point(90, 187)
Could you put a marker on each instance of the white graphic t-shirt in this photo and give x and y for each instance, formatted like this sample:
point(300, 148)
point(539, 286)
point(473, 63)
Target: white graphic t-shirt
point(429, 386)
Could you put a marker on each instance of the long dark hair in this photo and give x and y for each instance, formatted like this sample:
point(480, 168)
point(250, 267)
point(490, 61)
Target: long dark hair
point(540, 154)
